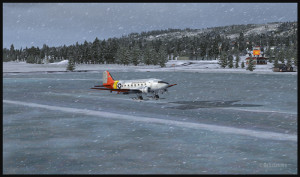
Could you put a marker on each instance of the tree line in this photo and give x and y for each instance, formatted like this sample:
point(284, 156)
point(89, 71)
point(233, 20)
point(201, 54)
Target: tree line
point(137, 48)
point(110, 51)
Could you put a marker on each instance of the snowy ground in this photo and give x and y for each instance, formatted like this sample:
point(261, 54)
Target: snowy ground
point(210, 123)
point(211, 66)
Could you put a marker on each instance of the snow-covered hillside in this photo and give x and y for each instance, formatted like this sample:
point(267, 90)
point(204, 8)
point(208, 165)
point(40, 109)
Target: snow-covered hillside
point(227, 31)
point(262, 29)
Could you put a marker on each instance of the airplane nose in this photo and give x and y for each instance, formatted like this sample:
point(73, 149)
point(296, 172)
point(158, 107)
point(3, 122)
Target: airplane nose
point(163, 84)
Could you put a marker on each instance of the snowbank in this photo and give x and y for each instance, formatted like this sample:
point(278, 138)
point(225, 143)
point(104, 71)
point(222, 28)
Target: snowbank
point(171, 66)
point(64, 62)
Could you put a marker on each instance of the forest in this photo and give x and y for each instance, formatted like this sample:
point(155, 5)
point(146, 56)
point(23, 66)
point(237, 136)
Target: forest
point(136, 48)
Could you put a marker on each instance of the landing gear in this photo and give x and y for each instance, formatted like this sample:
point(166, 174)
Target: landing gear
point(140, 98)
point(156, 97)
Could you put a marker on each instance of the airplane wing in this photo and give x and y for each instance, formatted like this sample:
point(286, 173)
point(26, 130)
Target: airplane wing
point(118, 90)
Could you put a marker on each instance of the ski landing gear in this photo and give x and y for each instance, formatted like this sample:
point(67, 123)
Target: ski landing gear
point(154, 95)
point(139, 97)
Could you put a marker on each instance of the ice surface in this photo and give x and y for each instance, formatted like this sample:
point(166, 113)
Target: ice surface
point(84, 139)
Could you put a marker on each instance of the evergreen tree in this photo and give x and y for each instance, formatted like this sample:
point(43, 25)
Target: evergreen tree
point(280, 56)
point(96, 51)
point(12, 49)
point(275, 62)
point(113, 49)
point(175, 54)
point(39, 61)
point(243, 64)
point(241, 42)
point(203, 47)
point(135, 55)
point(288, 57)
point(268, 52)
point(89, 53)
point(5, 55)
point(154, 56)
point(86, 52)
point(30, 59)
point(51, 60)
point(12, 53)
point(288, 62)
point(126, 59)
point(251, 65)
point(230, 61)
point(43, 54)
point(147, 55)
point(123, 56)
point(71, 65)
point(237, 60)
point(119, 55)
point(271, 56)
point(223, 60)
point(295, 56)
point(77, 53)
point(162, 56)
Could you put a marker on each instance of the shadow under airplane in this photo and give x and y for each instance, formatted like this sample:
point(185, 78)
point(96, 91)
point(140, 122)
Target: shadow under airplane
point(209, 104)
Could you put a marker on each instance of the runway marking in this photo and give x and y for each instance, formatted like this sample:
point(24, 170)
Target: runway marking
point(259, 111)
point(215, 128)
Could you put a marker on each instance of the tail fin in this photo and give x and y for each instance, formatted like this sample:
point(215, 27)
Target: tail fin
point(107, 78)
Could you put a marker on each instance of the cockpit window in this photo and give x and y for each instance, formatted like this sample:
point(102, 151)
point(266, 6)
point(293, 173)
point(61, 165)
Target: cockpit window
point(163, 82)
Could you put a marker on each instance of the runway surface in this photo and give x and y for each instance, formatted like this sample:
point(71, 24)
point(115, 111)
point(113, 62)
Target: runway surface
point(210, 123)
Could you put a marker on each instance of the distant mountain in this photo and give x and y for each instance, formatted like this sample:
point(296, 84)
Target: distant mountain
point(232, 32)
point(157, 46)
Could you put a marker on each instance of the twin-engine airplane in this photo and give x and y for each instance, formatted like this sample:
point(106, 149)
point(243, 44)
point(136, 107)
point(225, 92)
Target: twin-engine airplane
point(138, 87)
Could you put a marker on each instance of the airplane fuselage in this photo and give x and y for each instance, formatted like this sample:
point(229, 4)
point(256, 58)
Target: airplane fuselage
point(144, 85)
point(139, 86)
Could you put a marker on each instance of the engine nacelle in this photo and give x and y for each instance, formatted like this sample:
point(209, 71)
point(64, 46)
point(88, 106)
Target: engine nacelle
point(145, 90)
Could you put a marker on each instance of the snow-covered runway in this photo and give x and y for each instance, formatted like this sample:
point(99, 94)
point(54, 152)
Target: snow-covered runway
point(208, 123)
point(222, 129)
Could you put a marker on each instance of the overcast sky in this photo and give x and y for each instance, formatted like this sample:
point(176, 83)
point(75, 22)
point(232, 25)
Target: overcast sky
point(56, 24)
